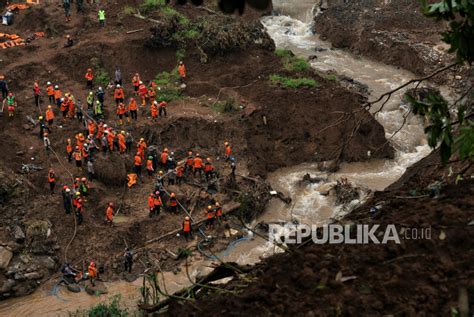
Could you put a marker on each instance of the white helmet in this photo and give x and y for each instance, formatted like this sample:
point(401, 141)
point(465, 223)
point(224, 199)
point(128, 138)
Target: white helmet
point(105, 125)
point(49, 83)
point(68, 190)
point(56, 87)
point(118, 85)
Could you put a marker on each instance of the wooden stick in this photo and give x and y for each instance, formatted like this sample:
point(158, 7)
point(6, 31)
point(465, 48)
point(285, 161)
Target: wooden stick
point(134, 31)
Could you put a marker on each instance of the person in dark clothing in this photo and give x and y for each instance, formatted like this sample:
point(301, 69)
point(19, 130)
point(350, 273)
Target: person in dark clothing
point(128, 260)
point(67, 9)
point(43, 127)
point(69, 42)
point(118, 76)
point(3, 87)
point(80, 6)
point(67, 200)
point(100, 96)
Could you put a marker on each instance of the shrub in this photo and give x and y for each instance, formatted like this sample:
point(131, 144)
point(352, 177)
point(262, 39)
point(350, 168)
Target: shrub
point(150, 5)
point(128, 10)
point(168, 86)
point(295, 64)
point(283, 53)
point(112, 308)
point(101, 77)
point(226, 106)
point(294, 83)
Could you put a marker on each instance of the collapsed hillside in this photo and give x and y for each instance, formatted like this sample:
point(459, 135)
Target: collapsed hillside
point(269, 126)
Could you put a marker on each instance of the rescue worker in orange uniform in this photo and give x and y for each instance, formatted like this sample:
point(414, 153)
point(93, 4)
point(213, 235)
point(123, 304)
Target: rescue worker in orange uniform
point(80, 140)
point(132, 107)
point(137, 163)
point(152, 94)
point(162, 111)
point(182, 70)
point(121, 112)
point(121, 142)
point(136, 83)
point(92, 273)
point(91, 127)
point(57, 96)
point(119, 95)
point(110, 139)
point(179, 174)
point(69, 150)
point(228, 151)
point(89, 76)
point(154, 110)
point(197, 166)
point(109, 213)
point(211, 217)
point(157, 203)
point(78, 204)
point(51, 180)
point(218, 210)
point(151, 204)
point(50, 115)
point(149, 166)
point(189, 162)
point(173, 203)
point(141, 148)
point(164, 158)
point(208, 169)
point(78, 157)
point(50, 92)
point(187, 229)
point(143, 92)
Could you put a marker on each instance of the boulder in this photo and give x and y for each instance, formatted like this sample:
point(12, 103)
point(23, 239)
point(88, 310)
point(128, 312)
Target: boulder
point(33, 276)
point(7, 286)
point(18, 234)
point(5, 257)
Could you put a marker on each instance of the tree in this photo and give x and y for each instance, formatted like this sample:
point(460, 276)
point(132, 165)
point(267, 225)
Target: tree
point(451, 133)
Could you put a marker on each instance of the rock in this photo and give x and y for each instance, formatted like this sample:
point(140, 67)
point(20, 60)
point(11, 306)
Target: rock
point(457, 77)
point(5, 257)
point(73, 288)
point(325, 188)
point(7, 286)
point(19, 276)
point(47, 262)
point(18, 234)
point(14, 247)
point(26, 127)
point(33, 276)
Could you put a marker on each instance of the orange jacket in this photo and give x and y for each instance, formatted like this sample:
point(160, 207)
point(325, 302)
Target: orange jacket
point(197, 162)
point(182, 70)
point(173, 202)
point(110, 138)
point(132, 106)
point(154, 110)
point(121, 109)
point(118, 93)
point(77, 156)
point(149, 165)
point(136, 81)
point(92, 271)
point(190, 161)
point(228, 150)
point(218, 211)
point(109, 213)
point(164, 158)
point(186, 226)
point(68, 148)
point(49, 114)
point(57, 94)
point(151, 202)
point(180, 171)
point(211, 214)
point(50, 90)
point(51, 177)
point(63, 106)
point(89, 76)
point(208, 167)
point(157, 200)
point(137, 160)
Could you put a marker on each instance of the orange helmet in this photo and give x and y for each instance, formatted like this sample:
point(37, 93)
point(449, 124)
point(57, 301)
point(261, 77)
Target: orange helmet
point(173, 195)
point(83, 179)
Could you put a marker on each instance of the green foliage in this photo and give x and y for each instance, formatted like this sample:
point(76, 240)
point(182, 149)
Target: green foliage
point(226, 106)
point(180, 54)
point(149, 6)
point(168, 86)
point(441, 128)
point(280, 52)
point(294, 83)
point(169, 11)
point(128, 10)
point(295, 64)
point(101, 77)
point(111, 308)
point(460, 35)
point(291, 62)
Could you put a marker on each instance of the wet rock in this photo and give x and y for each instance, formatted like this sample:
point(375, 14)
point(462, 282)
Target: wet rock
point(328, 166)
point(96, 290)
point(73, 288)
point(307, 178)
point(7, 286)
point(5, 257)
point(33, 276)
point(324, 189)
point(19, 276)
point(18, 234)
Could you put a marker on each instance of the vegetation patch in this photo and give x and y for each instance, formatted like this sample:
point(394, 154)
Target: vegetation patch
point(293, 83)
point(168, 86)
point(291, 62)
point(111, 308)
point(226, 106)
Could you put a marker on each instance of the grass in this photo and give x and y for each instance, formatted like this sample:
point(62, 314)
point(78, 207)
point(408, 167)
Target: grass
point(150, 5)
point(111, 308)
point(101, 77)
point(291, 62)
point(169, 11)
point(225, 106)
point(180, 54)
point(293, 83)
point(168, 84)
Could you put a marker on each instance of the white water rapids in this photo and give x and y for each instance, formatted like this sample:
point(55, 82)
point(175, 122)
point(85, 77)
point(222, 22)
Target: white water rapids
point(291, 30)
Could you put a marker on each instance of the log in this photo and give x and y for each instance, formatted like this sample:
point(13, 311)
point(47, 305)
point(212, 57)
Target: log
point(134, 31)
